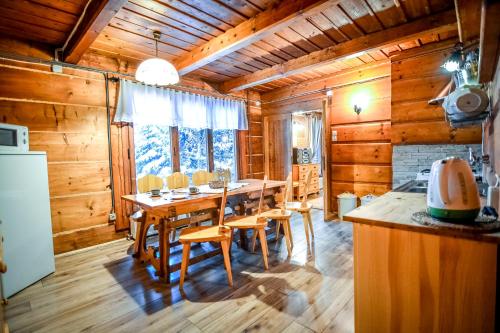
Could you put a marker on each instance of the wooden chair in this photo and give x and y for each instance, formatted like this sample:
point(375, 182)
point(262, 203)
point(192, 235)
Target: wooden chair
point(282, 216)
point(220, 234)
point(255, 222)
point(177, 180)
point(304, 208)
point(144, 184)
point(148, 183)
point(202, 177)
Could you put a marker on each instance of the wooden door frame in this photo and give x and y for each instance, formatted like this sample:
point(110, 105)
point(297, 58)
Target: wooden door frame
point(326, 158)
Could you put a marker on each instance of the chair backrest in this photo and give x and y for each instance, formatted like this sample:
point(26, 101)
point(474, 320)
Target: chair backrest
point(148, 183)
point(222, 207)
point(177, 180)
point(261, 199)
point(202, 177)
point(307, 185)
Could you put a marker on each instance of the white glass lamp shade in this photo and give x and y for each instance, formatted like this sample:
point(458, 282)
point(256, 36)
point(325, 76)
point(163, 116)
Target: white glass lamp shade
point(157, 71)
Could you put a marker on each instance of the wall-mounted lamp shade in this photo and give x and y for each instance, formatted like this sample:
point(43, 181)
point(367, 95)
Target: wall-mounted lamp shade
point(329, 93)
point(157, 71)
point(359, 101)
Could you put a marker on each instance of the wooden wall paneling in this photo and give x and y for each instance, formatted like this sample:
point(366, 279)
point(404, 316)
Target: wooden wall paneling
point(66, 117)
point(433, 132)
point(361, 173)
point(79, 211)
point(68, 178)
point(416, 78)
point(251, 141)
point(377, 131)
point(370, 153)
point(489, 44)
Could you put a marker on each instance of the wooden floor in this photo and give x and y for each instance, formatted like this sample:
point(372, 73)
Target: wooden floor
point(103, 289)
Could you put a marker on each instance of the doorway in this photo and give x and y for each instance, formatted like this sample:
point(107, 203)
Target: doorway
point(307, 145)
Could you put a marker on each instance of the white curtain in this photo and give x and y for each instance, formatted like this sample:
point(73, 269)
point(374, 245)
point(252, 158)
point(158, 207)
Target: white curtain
point(138, 103)
point(315, 136)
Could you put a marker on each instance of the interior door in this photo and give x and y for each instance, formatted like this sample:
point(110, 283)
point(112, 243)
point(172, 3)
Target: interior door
point(278, 146)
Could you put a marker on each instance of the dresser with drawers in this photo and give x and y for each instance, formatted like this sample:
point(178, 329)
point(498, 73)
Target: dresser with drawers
point(299, 172)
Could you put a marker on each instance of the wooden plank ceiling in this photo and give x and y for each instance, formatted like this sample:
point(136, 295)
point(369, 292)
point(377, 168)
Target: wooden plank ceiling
point(187, 25)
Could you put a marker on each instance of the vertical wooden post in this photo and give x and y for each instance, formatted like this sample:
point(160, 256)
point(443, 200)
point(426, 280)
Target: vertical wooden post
point(174, 149)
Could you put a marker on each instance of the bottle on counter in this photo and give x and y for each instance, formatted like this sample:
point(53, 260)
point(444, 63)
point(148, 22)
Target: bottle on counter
point(493, 198)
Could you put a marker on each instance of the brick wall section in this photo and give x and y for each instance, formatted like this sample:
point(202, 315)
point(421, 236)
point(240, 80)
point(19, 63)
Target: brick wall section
point(408, 160)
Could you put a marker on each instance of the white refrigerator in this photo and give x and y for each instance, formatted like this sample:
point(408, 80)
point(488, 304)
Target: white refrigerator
point(25, 222)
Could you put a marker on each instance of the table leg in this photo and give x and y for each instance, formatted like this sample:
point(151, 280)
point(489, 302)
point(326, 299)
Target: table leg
point(139, 237)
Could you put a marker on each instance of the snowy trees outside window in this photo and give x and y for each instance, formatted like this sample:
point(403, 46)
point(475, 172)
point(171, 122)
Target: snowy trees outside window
point(225, 150)
point(193, 150)
point(152, 150)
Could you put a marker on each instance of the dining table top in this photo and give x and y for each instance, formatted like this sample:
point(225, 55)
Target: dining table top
point(165, 200)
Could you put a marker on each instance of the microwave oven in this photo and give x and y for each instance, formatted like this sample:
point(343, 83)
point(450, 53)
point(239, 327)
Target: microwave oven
point(13, 138)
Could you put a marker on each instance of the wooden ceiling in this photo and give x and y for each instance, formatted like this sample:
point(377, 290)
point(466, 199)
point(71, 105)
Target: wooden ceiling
point(47, 21)
point(196, 28)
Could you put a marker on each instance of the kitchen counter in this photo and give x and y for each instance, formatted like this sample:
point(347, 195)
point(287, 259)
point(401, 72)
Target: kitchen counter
point(414, 278)
point(394, 210)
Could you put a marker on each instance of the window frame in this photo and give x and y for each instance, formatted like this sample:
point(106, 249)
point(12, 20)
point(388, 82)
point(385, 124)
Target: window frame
point(175, 150)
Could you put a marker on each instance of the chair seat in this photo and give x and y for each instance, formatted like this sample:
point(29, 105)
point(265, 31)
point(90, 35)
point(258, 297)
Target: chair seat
point(204, 234)
point(276, 214)
point(247, 222)
point(296, 206)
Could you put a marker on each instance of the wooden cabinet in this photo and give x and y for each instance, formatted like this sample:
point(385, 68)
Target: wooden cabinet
point(299, 173)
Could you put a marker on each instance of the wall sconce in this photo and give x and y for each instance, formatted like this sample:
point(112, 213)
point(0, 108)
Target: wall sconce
point(329, 93)
point(359, 102)
point(257, 103)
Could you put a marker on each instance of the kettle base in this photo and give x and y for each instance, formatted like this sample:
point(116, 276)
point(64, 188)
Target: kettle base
point(450, 215)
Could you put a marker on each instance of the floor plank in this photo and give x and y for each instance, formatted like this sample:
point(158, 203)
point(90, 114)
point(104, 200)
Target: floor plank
point(103, 289)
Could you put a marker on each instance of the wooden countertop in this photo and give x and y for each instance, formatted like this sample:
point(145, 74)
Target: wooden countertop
point(394, 210)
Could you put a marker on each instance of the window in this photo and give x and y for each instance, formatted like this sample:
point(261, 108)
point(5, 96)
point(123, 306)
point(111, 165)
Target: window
point(224, 145)
point(193, 150)
point(152, 150)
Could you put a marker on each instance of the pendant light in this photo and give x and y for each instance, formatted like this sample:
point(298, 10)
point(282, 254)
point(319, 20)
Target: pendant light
point(156, 71)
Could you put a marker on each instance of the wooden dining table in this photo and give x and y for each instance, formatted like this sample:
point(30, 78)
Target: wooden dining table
point(166, 214)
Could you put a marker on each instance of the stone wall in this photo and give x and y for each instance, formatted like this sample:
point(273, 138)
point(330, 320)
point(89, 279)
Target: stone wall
point(409, 159)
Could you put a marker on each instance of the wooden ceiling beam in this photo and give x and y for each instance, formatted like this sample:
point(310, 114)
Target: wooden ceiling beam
point(468, 19)
point(99, 13)
point(435, 24)
point(251, 31)
point(489, 42)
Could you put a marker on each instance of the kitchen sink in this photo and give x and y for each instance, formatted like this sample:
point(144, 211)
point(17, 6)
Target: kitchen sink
point(413, 186)
point(420, 186)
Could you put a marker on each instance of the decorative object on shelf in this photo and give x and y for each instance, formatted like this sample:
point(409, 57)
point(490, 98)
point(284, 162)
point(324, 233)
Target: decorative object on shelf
point(157, 71)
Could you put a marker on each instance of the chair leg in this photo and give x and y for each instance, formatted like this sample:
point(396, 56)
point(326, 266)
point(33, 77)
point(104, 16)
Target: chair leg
point(287, 238)
point(263, 245)
point(288, 225)
point(278, 226)
point(309, 219)
point(254, 239)
point(186, 249)
point(306, 226)
point(227, 261)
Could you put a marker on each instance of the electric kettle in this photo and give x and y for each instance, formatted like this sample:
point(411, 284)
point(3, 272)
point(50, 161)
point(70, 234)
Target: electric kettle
point(452, 193)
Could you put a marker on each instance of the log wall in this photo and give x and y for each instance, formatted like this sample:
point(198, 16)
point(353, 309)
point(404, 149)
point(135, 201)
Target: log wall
point(360, 160)
point(416, 78)
point(251, 153)
point(66, 116)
